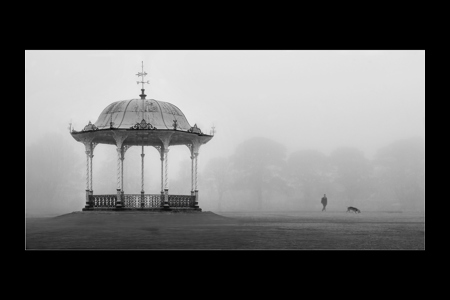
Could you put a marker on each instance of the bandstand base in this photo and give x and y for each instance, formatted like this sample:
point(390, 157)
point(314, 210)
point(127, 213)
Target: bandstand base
point(155, 209)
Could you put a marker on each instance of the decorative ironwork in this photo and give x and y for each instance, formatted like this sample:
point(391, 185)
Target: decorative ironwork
point(181, 201)
point(119, 137)
point(175, 125)
point(158, 148)
point(142, 74)
point(103, 201)
point(152, 201)
point(90, 127)
point(195, 129)
point(132, 200)
point(124, 149)
point(143, 125)
point(136, 201)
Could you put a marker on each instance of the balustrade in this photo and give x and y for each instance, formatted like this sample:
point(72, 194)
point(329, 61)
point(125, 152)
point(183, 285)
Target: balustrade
point(103, 201)
point(136, 201)
point(139, 201)
point(152, 200)
point(181, 201)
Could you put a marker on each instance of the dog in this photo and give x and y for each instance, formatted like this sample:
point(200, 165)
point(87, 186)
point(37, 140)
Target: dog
point(354, 209)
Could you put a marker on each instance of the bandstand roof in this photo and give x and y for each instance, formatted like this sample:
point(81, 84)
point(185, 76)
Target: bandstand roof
point(147, 122)
point(126, 113)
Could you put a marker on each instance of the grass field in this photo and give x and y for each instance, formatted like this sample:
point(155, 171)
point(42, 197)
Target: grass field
point(228, 230)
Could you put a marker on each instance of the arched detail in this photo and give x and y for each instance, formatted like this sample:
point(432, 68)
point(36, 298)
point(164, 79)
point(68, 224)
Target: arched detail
point(165, 140)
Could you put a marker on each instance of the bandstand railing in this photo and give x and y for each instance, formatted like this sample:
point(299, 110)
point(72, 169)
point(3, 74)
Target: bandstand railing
point(141, 201)
point(103, 201)
point(181, 200)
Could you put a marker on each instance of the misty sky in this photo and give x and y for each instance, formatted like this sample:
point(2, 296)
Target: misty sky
point(303, 99)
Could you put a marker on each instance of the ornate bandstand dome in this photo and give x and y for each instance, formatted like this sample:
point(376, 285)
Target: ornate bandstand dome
point(147, 122)
point(127, 113)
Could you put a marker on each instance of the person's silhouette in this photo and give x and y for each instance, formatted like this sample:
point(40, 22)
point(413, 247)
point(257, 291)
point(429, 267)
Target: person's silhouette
point(324, 201)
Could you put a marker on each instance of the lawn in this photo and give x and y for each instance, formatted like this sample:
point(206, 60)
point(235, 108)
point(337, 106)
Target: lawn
point(228, 231)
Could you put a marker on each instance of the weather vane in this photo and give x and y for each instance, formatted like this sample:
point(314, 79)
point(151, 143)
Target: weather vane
point(142, 74)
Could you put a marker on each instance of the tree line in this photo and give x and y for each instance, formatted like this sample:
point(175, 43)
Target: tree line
point(260, 175)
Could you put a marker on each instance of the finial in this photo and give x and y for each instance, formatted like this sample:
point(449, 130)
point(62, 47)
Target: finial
point(175, 125)
point(142, 74)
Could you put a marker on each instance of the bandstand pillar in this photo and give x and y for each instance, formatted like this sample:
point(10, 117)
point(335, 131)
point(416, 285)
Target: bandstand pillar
point(142, 178)
point(192, 175)
point(120, 155)
point(88, 191)
point(122, 158)
point(194, 147)
point(119, 178)
point(88, 150)
point(92, 146)
point(196, 189)
point(166, 178)
point(161, 153)
point(164, 151)
point(122, 197)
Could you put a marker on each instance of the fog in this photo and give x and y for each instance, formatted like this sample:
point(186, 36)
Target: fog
point(349, 124)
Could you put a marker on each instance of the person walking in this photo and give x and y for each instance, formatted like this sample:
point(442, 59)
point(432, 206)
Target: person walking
point(324, 201)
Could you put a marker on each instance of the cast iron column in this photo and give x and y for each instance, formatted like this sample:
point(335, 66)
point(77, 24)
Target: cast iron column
point(196, 190)
point(192, 175)
point(161, 153)
point(87, 177)
point(119, 203)
point(142, 177)
point(166, 179)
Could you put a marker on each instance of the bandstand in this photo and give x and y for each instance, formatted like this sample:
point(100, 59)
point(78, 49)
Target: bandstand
point(142, 122)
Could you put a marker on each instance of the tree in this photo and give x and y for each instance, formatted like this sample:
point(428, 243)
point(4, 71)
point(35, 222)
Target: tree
point(217, 174)
point(54, 175)
point(259, 164)
point(308, 172)
point(353, 171)
point(401, 169)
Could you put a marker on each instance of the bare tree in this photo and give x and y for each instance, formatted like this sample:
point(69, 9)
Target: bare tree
point(401, 168)
point(260, 163)
point(308, 172)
